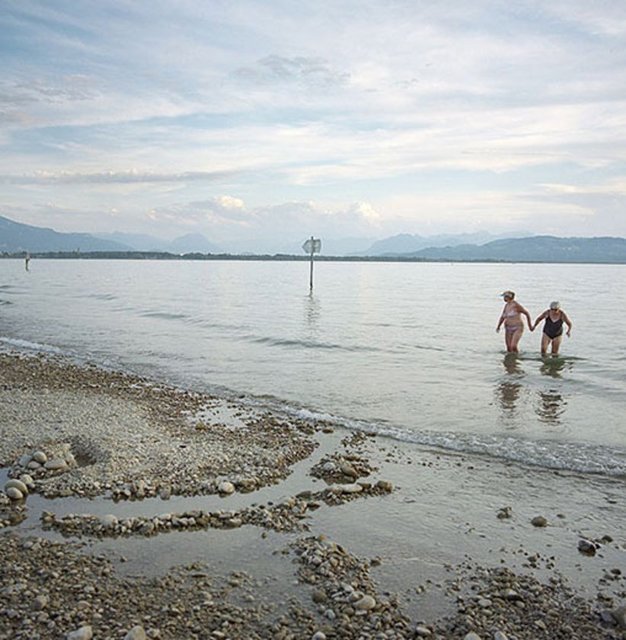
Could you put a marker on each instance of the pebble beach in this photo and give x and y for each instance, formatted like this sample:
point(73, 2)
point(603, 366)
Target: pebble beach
point(125, 504)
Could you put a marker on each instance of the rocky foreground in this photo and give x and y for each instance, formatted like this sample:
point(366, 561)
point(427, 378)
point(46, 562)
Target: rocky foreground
point(81, 431)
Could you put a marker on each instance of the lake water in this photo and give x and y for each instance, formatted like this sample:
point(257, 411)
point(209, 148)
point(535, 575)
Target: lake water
point(404, 349)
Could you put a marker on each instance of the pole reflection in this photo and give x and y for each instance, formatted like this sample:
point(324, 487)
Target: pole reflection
point(312, 311)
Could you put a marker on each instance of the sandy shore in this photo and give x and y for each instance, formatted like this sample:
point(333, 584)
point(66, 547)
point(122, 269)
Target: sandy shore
point(135, 510)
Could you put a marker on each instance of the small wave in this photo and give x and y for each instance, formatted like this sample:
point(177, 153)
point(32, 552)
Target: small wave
point(164, 315)
point(566, 456)
point(423, 347)
point(309, 344)
point(547, 454)
point(5, 302)
point(17, 343)
point(102, 296)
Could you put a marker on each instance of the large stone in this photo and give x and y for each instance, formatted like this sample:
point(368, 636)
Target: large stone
point(587, 547)
point(84, 633)
point(539, 521)
point(226, 487)
point(109, 521)
point(318, 596)
point(351, 488)
point(348, 470)
point(27, 480)
point(56, 464)
point(365, 603)
point(471, 636)
point(40, 457)
point(18, 484)
point(14, 494)
point(136, 633)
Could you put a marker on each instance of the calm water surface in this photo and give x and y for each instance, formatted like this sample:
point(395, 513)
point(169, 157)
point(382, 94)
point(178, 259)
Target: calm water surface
point(408, 350)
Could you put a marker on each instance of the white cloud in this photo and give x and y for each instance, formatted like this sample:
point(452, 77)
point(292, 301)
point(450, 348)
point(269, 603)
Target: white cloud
point(228, 202)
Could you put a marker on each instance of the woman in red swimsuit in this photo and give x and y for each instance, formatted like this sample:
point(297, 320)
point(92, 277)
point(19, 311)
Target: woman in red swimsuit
point(512, 319)
point(553, 327)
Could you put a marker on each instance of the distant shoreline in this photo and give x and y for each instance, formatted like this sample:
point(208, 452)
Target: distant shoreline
point(279, 257)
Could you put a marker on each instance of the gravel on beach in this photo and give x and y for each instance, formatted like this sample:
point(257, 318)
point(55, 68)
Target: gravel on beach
point(98, 431)
point(80, 431)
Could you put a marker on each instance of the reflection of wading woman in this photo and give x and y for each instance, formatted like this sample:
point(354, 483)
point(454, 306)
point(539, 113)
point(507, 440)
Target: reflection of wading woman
point(513, 323)
point(553, 327)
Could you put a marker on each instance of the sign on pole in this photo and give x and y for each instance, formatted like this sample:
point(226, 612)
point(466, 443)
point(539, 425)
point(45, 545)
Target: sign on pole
point(312, 246)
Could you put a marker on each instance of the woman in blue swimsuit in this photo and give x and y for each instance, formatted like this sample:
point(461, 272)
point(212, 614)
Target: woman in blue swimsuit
point(553, 327)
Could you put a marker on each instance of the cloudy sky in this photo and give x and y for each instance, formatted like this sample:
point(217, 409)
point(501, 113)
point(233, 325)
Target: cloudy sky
point(248, 120)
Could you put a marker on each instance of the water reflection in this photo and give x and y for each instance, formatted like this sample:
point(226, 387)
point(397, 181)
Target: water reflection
point(312, 311)
point(551, 402)
point(509, 389)
point(553, 367)
point(551, 406)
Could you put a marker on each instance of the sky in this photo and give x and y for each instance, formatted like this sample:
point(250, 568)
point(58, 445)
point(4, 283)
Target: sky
point(257, 122)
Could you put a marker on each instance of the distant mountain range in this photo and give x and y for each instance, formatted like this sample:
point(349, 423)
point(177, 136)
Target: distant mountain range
point(16, 237)
point(407, 243)
point(534, 249)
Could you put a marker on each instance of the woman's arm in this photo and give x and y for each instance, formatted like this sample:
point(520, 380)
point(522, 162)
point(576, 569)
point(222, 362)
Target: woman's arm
point(568, 322)
point(523, 312)
point(539, 319)
point(500, 320)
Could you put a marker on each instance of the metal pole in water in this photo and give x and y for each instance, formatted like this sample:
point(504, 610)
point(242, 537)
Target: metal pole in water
point(311, 270)
point(312, 246)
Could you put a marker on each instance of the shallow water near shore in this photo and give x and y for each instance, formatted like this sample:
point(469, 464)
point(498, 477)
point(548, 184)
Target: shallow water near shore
point(441, 514)
point(405, 350)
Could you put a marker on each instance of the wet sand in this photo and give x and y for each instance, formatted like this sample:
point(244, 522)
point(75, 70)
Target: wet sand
point(172, 514)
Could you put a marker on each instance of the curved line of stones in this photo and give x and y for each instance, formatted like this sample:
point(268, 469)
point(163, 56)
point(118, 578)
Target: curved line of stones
point(284, 517)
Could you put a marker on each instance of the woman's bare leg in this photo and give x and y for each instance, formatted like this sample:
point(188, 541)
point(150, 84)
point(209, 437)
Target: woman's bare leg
point(556, 343)
point(545, 341)
point(515, 338)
